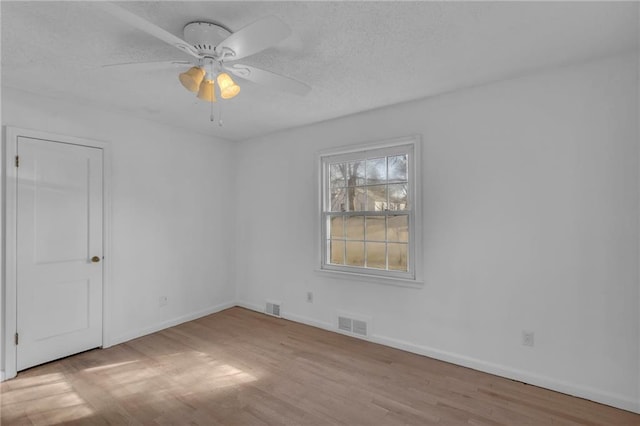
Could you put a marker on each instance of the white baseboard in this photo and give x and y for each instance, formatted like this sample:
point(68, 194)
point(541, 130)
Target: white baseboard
point(250, 306)
point(170, 323)
point(292, 317)
point(614, 400)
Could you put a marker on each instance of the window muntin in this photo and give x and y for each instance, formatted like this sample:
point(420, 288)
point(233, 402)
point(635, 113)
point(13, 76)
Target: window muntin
point(367, 216)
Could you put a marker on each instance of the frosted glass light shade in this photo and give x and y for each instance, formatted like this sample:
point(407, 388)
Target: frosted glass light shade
point(191, 79)
point(207, 91)
point(228, 88)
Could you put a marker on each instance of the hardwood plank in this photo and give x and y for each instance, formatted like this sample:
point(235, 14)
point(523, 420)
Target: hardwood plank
point(239, 367)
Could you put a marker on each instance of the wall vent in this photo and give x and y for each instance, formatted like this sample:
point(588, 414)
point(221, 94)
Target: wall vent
point(357, 326)
point(273, 308)
point(345, 324)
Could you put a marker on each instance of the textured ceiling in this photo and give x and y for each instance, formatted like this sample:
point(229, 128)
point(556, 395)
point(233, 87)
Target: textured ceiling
point(356, 56)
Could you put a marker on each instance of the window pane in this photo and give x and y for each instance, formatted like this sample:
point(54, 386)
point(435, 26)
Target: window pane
point(398, 228)
point(355, 228)
point(398, 168)
point(336, 226)
point(376, 255)
point(375, 228)
point(398, 197)
point(356, 199)
point(377, 198)
point(336, 252)
point(355, 253)
point(376, 171)
point(355, 173)
point(337, 175)
point(397, 256)
point(338, 200)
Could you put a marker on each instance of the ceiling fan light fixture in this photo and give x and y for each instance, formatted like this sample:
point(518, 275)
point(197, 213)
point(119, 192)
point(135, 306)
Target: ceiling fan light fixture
point(207, 91)
point(228, 87)
point(192, 78)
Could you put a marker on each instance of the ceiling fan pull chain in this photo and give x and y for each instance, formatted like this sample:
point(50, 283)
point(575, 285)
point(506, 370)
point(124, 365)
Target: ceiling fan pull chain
point(212, 117)
point(220, 114)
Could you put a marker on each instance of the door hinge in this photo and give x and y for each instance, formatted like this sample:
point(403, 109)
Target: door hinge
point(16, 339)
point(17, 161)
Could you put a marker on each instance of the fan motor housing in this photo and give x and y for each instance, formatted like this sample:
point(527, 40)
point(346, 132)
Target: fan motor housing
point(205, 36)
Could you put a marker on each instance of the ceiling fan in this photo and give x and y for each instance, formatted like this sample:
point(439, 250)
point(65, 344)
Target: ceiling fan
point(215, 49)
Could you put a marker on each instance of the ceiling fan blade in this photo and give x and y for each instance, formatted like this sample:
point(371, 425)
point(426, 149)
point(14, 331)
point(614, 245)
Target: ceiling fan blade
point(254, 38)
point(149, 66)
point(268, 78)
point(146, 26)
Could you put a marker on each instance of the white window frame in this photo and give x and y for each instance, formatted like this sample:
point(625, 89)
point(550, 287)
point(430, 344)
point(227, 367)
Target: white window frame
point(410, 145)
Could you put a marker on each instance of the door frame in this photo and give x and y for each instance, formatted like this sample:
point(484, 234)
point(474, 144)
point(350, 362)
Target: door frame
point(8, 300)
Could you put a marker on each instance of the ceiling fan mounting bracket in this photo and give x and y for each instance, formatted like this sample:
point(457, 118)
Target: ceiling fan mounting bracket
point(205, 36)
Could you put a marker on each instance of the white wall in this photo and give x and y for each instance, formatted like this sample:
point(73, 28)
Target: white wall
point(530, 190)
point(171, 227)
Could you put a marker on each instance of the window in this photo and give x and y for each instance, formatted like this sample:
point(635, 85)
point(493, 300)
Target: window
point(369, 210)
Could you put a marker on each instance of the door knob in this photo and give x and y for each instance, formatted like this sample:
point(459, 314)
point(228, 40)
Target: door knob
point(95, 259)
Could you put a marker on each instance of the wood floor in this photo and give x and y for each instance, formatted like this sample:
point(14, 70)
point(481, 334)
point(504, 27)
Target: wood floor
point(240, 367)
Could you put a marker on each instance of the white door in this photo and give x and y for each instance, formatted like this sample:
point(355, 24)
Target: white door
point(59, 250)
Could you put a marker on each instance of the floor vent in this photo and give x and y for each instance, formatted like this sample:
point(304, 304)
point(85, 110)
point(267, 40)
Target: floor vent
point(352, 325)
point(273, 308)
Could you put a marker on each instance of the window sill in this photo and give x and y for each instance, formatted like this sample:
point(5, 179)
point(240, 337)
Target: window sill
point(374, 279)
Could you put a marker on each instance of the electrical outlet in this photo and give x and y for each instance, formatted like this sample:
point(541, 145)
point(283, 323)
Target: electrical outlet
point(310, 297)
point(162, 301)
point(528, 338)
